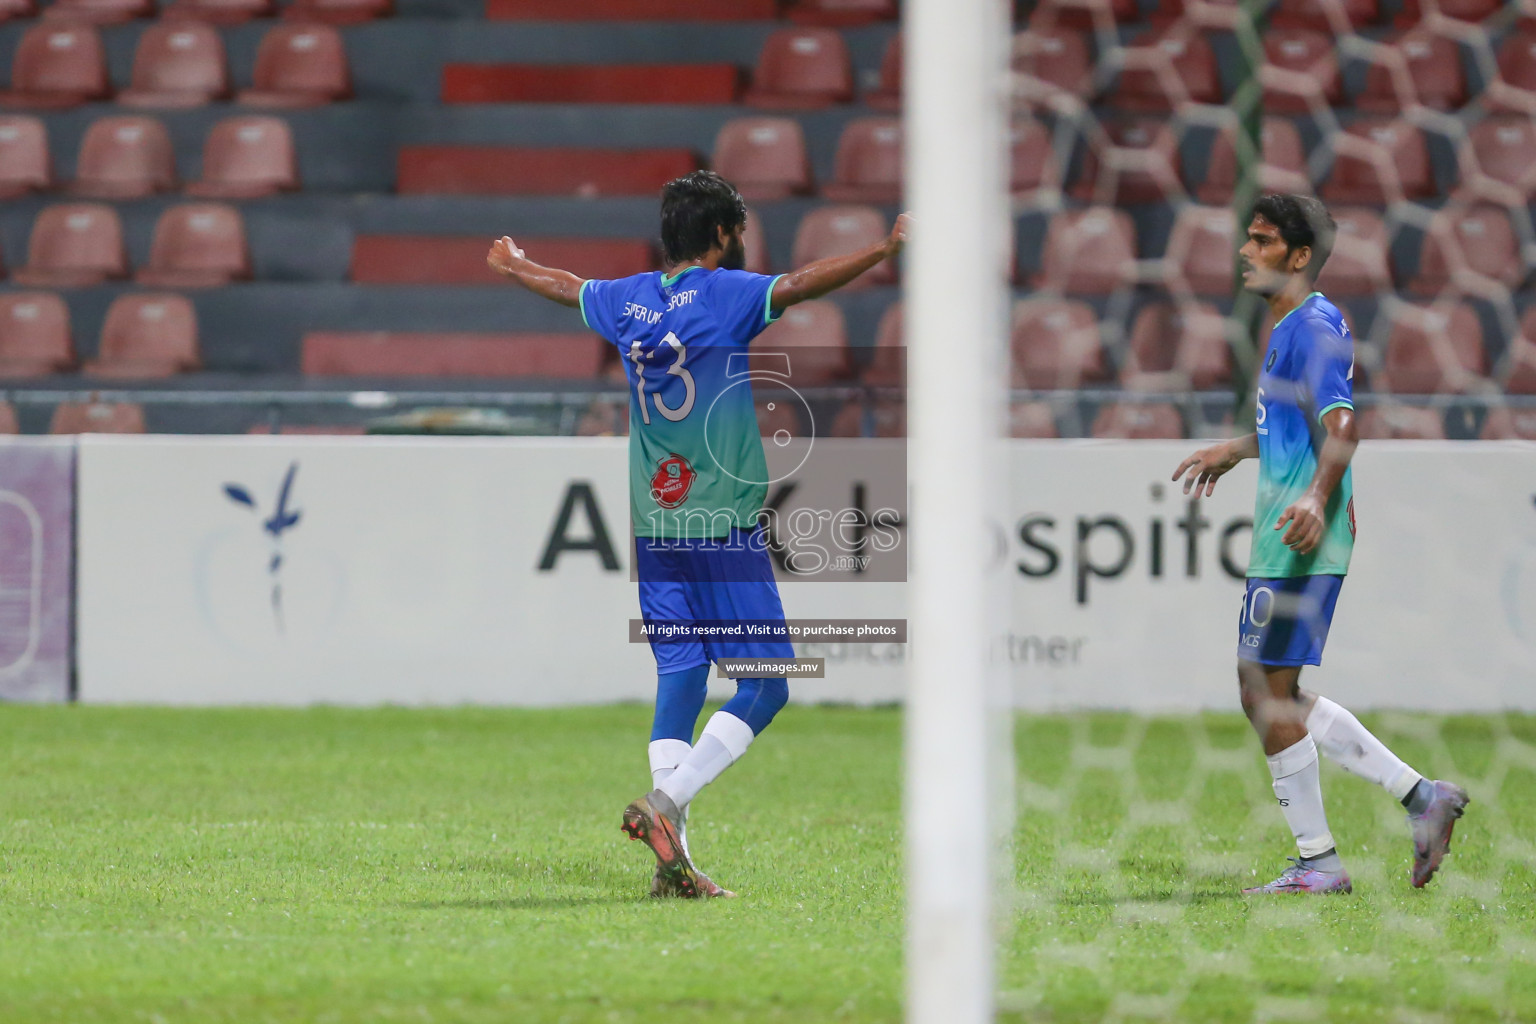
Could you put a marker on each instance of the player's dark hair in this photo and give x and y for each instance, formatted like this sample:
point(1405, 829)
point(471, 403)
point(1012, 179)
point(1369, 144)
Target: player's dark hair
point(693, 209)
point(1302, 220)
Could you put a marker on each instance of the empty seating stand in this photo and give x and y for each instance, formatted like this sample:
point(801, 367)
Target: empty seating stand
point(620, 10)
point(590, 83)
point(425, 259)
point(399, 354)
point(515, 170)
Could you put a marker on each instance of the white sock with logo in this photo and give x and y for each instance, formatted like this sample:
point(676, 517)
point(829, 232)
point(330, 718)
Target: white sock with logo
point(1351, 746)
point(1300, 792)
point(724, 740)
point(665, 756)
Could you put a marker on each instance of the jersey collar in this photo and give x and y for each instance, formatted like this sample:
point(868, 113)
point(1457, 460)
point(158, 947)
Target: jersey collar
point(668, 282)
point(1303, 302)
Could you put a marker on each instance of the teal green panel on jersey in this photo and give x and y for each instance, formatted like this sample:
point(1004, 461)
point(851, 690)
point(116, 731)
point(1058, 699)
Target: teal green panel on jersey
point(1308, 372)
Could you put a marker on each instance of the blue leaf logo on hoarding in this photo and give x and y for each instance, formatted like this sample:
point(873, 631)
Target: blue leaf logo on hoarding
point(279, 522)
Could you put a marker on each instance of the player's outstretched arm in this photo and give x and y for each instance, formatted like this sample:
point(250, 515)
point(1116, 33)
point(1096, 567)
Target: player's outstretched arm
point(814, 280)
point(1305, 514)
point(1207, 465)
point(557, 285)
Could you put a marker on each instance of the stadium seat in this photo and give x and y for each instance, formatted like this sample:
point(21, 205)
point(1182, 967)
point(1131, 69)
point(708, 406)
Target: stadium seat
point(74, 245)
point(1319, 14)
point(1517, 374)
point(1055, 345)
point(1136, 161)
point(1301, 71)
point(56, 66)
point(24, 162)
point(177, 64)
point(836, 13)
point(1177, 347)
point(868, 166)
point(299, 66)
point(815, 337)
point(445, 354)
point(620, 10)
point(695, 84)
point(1032, 419)
point(1358, 265)
point(97, 418)
point(1082, 14)
point(886, 96)
point(1379, 161)
point(1284, 168)
point(515, 170)
point(1432, 351)
point(801, 69)
point(152, 335)
point(99, 12)
point(1400, 422)
point(338, 12)
point(124, 158)
point(1089, 252)
point(1032, 162)
point(1165, 67)
point(12, 10)
point(8, 422)
point(1138, 420)
point(1514, 89)
point(460, 260)
point(838, 230)
point(1202, 250)
point(219, 12)
point(1498, 161)
point(197, 245)
point(1460, 10)
point(247, 158)
point(1505, 424)
point(764, 157)
point(1423, 67)
point(887, 366)
point(35, 339)
point(1475, 249)
point(1049, 63)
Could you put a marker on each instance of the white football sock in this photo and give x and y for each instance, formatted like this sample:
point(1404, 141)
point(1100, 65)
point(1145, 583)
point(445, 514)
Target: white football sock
point(1351, 746)
point(1300, 792)
point(724, 740)
point(665, 756)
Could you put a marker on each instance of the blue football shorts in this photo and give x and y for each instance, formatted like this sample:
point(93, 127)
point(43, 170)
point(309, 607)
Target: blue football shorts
point(1286, 621)
point(719, 594)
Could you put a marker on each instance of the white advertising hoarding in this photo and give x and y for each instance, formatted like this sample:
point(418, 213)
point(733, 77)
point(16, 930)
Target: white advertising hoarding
point(372, 570)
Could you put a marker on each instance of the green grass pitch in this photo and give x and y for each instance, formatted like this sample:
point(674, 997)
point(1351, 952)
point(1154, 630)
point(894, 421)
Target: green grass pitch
point(467, 865)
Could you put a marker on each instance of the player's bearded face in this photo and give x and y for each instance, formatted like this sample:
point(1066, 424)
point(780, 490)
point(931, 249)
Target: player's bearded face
point(735, 255)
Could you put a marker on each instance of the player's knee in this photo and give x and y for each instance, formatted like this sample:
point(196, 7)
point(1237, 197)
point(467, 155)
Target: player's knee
point(757, 701)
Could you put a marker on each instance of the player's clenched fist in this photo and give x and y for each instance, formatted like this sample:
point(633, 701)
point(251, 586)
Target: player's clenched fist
point(504, 252)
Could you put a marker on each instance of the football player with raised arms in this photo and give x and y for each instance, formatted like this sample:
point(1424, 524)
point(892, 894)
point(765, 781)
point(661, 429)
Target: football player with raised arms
point(1303, 535)
point(698, 480)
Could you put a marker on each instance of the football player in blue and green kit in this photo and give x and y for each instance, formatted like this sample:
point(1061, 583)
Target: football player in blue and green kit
point(698, 479)
point(1303, 534)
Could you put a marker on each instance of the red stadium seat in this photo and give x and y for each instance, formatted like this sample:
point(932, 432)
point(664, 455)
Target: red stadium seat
point(887, 95)
point(219, 12)
point(1202, 250)
point(1032, 419)
point(1301, 71)
point(1400, 422)
point(1051, 62)
point(177, 64)
point(590, 83)
point(1089, 252)
point(815, 337)
point(1379, 161)
point(148, 336)
point(34, 335)
point(14, 9)
point(74, 245)
point(429, 259)
point(764, 157)
point(247, 158)
point(838, 230)
point(403, 354)
point(124, 158)
point(338, 12)
point(299, 66)
point(1032, 162)
point(621, 10)
point(24, 162)
point(1422, 67)
point(1510, 425)
point(514, 170)
point(1083, 14)
point(1515, 88)
point(1142, 421)
point(1324, 15)
point(1460, 10)
point(1432, 351)
point(8, 421)
point(1358, 265)
point(842, 12)
point(99, 12)
point(802, 68)
point(1498, 162)
point(57, 66)
point(868, 166)
point(1165, 67)
point(97, 418)
point(1475, 250)
point(1284, 168)
point(1517, 375)
point(197, 245)
point(887, 366)
point(1055, 344)
point(1176, 347)
point(1138, 163)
